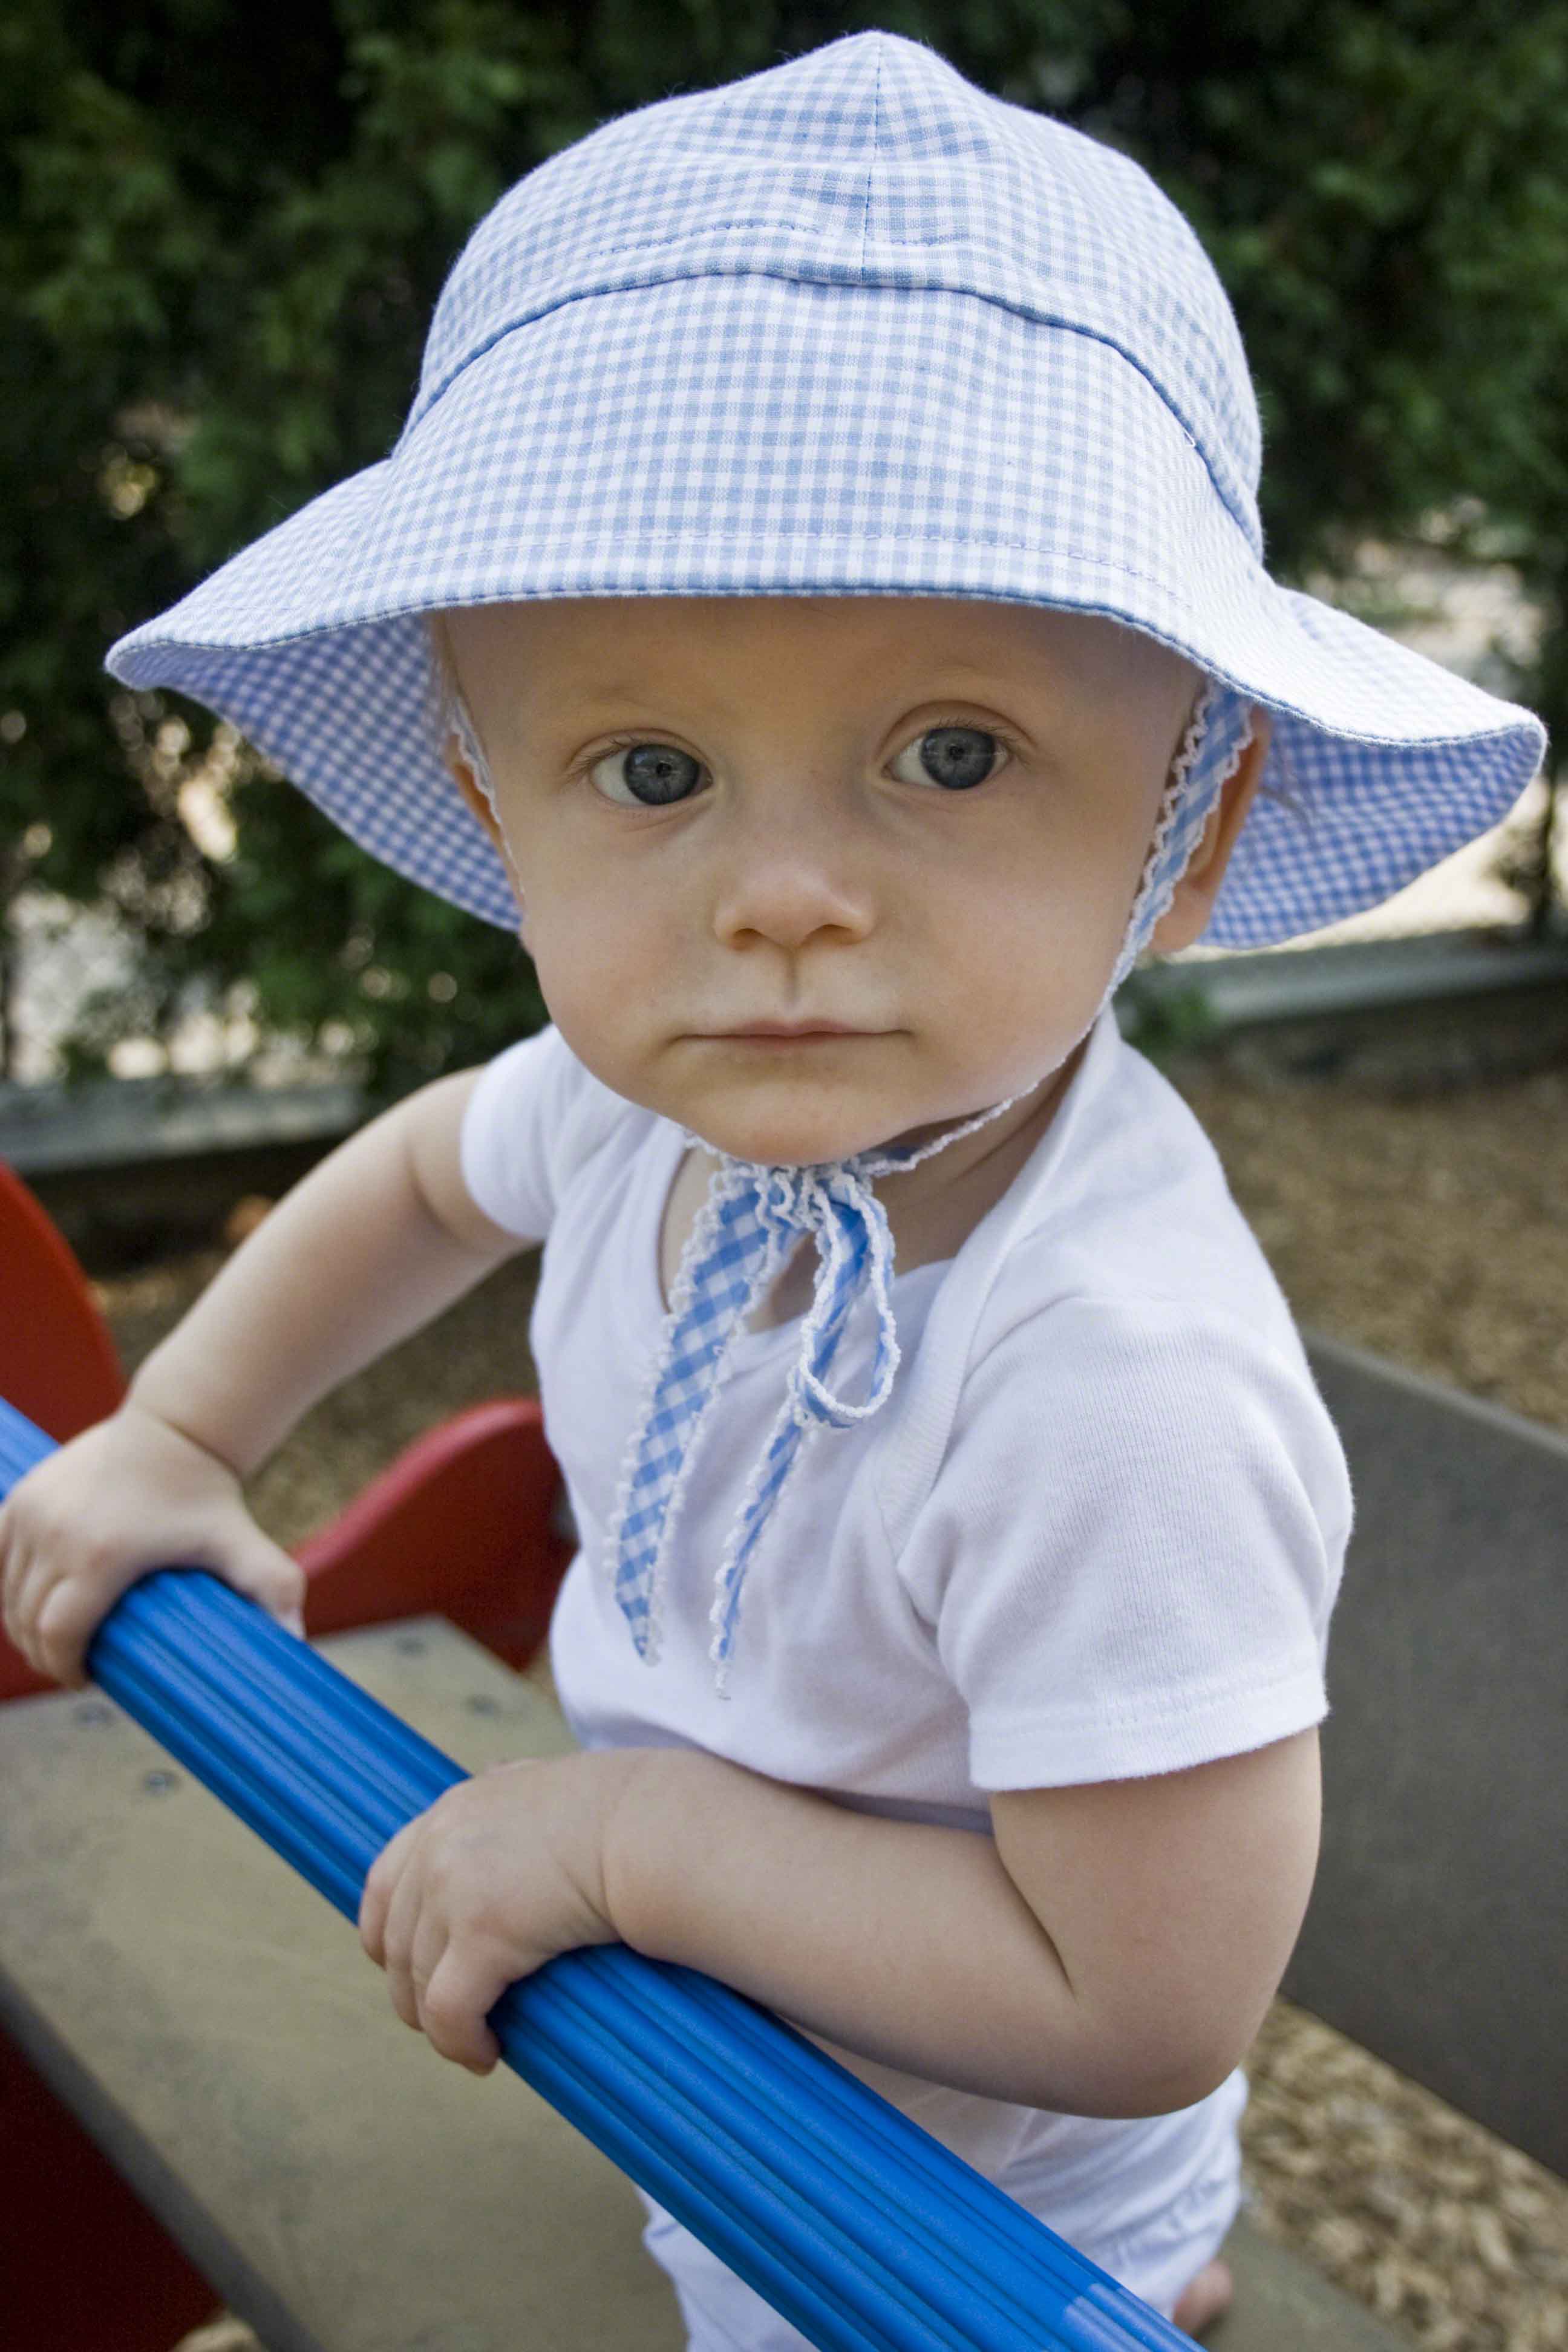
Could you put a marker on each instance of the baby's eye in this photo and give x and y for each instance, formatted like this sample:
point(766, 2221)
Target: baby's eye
point(957, 758)
point(652, 776)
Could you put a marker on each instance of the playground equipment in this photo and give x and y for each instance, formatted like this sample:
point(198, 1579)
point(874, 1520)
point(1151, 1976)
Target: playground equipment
point(863, 2231)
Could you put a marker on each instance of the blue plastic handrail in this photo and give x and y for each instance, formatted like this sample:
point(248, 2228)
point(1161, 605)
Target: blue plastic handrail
point(864, 2232)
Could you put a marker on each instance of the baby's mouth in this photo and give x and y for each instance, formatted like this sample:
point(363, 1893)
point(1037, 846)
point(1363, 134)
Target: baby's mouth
point(792, 1029)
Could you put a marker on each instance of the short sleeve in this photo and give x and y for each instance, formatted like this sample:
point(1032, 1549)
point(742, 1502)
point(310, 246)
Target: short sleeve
point(1132, 1547)
point(534, 1117)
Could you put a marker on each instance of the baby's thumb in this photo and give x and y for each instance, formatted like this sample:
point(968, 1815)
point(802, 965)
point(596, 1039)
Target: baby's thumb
point(265, 1571)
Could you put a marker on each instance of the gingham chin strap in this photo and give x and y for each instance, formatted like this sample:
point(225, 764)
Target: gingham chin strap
point(747, 1227)
point(1218, 731)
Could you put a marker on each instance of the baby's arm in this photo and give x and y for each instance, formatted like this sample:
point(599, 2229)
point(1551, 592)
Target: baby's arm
point(372, 1245)
point(1110, 1951)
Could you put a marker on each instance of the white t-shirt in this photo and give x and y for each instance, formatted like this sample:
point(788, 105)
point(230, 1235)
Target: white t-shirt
point(1096, 1531)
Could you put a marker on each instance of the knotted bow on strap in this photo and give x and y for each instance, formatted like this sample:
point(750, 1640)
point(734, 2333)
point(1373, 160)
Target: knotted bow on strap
point(747, 1226)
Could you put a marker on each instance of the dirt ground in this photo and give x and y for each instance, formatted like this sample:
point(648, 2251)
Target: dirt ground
point(1431, 1229)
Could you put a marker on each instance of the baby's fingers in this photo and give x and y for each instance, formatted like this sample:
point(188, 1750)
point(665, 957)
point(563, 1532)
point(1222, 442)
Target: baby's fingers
point(464, 1988)
point(409, 1917)
point(255, 1566)
point(50, 1613)
point(64, 1618)
point(21, 1587)
point(381, 1883)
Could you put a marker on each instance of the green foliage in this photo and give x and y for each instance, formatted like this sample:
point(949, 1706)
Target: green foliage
point(223, 229)
point(1165, 1022)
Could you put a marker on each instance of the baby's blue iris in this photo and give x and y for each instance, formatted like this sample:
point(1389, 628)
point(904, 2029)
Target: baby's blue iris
point(659, 773)
point(957, 757)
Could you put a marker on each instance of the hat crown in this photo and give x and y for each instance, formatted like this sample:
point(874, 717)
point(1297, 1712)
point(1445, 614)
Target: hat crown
point(869, 162)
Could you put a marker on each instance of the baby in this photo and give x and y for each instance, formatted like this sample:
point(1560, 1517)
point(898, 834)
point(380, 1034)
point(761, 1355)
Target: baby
point(817, 600)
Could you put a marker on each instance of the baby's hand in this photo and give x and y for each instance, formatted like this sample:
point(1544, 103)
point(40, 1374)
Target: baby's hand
point(129, 1495)
point(495, 1878)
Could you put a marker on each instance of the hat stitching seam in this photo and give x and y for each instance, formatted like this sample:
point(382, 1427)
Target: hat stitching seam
point(871, 160)
point(956, 241)
point(424, 407)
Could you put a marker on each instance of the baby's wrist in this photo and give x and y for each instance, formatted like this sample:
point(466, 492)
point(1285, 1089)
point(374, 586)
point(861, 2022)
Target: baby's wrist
point(141, 1409)
point(643, 1786)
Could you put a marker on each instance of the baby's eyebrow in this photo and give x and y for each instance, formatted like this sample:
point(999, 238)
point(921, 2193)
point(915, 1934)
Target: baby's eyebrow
point(626, 697)
point(995, 675)
point(615, 690)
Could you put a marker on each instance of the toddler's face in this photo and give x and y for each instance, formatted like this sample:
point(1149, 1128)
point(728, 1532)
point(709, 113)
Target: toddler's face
point(921, 819)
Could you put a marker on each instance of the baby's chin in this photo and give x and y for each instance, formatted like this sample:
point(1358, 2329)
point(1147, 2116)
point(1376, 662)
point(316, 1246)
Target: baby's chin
point(777, 1126)
point(793, 1135)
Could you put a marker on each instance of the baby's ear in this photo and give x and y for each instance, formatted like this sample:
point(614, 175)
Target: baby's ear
point(1187, 915)
point(460, 767)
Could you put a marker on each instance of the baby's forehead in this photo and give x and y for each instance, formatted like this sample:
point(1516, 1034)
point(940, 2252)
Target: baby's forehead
point(556, 648)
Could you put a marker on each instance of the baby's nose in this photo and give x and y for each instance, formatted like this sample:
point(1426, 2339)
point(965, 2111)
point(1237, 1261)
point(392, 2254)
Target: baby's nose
point(789, 886)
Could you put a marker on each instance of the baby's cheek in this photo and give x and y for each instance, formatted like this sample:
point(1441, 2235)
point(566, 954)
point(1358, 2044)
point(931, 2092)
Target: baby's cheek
point(612, 1027)
point(1035, 979)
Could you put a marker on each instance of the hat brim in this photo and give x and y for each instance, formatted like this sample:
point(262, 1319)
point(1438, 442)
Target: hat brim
point(754, 435)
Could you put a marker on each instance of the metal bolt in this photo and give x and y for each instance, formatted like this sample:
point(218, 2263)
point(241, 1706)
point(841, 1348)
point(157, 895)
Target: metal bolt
point(411, 1645)
point(157, 1783)
point(481, 1703)
point(93, 1710)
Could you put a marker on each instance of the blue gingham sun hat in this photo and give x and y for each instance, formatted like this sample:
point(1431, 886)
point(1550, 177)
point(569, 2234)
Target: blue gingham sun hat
point(849, 326)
